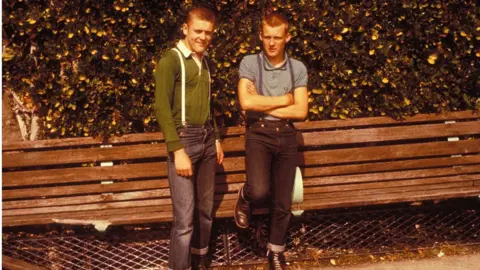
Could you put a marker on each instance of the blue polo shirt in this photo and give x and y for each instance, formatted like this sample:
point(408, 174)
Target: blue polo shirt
point(276, 81)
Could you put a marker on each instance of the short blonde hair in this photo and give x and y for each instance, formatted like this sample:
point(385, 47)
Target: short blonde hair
point(202, 13)
point(275, 19)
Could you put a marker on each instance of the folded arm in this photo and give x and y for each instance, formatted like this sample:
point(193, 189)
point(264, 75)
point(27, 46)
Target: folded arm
point(298, 110)
point(250, 100)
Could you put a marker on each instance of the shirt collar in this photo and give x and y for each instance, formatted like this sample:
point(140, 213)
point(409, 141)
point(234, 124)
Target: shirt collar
point(185, 50)
point(268, 66)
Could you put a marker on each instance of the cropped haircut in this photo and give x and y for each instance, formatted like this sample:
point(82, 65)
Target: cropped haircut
point(201, 12)
point(275, 19)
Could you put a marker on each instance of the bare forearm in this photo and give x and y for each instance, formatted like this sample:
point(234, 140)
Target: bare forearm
point(260, 103)
point(298, 110)
point(290, 112)
point(250, 100)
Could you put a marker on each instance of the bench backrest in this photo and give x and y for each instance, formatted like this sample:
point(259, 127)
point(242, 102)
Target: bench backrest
point(344, 163)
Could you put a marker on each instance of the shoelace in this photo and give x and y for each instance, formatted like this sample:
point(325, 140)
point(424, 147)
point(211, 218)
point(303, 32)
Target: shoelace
point(276, 261)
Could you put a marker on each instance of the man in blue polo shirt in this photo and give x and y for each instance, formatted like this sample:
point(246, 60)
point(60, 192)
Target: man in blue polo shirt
point(273, 91)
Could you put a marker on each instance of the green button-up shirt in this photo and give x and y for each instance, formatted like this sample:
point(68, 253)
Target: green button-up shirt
point(168, 94)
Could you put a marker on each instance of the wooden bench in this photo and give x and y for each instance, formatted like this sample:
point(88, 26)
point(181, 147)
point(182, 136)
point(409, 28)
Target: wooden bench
point(344, 163)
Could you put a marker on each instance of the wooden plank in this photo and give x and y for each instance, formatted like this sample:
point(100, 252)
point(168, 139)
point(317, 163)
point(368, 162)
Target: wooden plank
point(51, 143)
point(87, 199)
point(390, 166)
point(389, 152)
point(309, 188)
point(380, 121)
point(384, 190)
point(17, 264)
point(390, 176)
point(84, 155)
point(84, 207)
point(85, 174)
point(81, 215)
point(82, 189)
point(389, 198)
point(389, 134)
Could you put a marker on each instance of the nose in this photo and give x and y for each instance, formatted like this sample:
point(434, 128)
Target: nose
point(202, 36)
point(271, 42)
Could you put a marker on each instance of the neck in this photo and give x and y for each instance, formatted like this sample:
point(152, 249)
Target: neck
point(276, 61)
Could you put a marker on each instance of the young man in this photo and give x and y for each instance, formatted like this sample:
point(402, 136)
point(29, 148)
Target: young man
point(191, 137)
point(273, 91)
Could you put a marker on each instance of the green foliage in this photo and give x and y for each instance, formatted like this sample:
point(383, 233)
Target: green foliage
point(87, 66)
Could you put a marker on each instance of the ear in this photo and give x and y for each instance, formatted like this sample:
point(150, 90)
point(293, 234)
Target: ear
point(288, 37)
point(260, 36)
point(185, 29)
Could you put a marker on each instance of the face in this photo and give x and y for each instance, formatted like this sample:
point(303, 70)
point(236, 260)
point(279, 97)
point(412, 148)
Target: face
point(198, 34)
point(274, 39)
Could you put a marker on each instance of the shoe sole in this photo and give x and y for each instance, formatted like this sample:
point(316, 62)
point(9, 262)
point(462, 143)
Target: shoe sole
point(234, 210)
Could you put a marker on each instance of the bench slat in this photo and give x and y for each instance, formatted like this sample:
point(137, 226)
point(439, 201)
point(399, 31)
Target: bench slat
point(83, 189)
point(390, 166)
point(389, 134)
point(410, 196)
point(396, 175)
point(80, 200)
point(381, 121)
point(84, 207)
point(323, 190)
point(390, 152)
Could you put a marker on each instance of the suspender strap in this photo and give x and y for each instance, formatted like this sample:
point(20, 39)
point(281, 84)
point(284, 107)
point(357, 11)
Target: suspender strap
point(184, 122)
point(182, 64)
point(291, 73)
point(260, 73)
point(260, 77)
point(209, 79)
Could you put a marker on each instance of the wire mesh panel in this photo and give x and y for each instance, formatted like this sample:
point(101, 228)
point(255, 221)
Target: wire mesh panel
point(352, 231)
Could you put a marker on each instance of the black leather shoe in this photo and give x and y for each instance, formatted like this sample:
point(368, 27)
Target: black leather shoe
point(242, 212)
point(199, 262)
point(276, 261)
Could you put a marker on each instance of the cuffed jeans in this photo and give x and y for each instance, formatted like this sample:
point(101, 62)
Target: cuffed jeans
point(271, 160)
point(192, 197)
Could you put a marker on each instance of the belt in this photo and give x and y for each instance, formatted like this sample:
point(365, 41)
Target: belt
point(268, 123)
point(206, 125)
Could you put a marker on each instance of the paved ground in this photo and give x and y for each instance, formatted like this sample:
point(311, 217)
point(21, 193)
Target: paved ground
point(454, 262)
point(457, 262)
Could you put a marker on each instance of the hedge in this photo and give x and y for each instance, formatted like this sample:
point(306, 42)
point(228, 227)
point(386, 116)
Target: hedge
point(86, 67)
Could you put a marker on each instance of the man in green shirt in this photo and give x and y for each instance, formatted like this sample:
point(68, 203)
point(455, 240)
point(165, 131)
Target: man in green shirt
point(182, 101)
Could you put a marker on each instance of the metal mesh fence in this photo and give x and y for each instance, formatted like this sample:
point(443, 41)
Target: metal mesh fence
point(353, 231)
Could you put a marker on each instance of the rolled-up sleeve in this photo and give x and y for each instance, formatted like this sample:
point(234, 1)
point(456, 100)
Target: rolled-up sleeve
point(248, 68)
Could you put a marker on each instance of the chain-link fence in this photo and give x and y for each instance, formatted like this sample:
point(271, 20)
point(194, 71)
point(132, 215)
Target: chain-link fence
point(333, 232)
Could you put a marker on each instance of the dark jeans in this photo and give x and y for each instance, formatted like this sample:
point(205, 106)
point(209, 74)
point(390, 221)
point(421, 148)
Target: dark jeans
point(192, 197)
point(271, 160)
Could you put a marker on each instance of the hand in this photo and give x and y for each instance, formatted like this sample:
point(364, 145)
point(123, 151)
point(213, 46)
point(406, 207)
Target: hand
point(220, 153)
point(183, 165)
point(289, 100)
point(251, 89)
